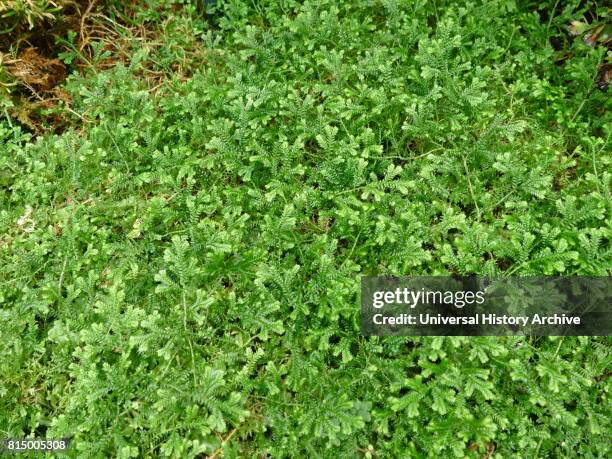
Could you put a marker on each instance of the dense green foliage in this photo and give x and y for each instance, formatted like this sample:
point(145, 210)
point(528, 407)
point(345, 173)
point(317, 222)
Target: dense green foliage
point(181, 274)
point(14, 12)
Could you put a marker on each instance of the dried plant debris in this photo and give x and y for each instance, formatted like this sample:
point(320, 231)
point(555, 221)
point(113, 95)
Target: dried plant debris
point(37, 72)
point(593, 34)
point(604, 76)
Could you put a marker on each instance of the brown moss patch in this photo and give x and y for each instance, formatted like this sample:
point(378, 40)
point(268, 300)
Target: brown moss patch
point(35, 71)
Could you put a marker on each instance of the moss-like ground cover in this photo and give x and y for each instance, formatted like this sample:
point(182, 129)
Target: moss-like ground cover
point(180, 265)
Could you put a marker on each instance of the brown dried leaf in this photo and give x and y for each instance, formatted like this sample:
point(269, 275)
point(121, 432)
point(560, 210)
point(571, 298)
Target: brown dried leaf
point(36, 71)
point(604, 76)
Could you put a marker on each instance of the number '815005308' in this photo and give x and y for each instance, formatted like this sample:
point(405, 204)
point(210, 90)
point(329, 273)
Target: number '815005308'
point(28, 444)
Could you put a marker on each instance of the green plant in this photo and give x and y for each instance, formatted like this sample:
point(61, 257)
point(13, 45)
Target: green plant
point(30, 12)
point(180, 276)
